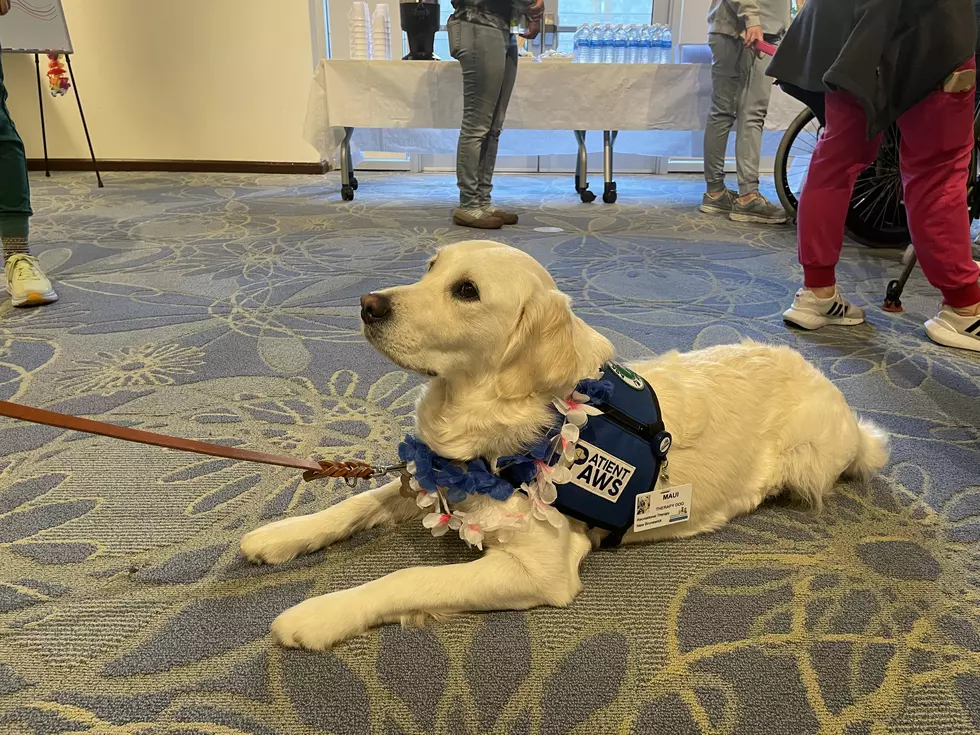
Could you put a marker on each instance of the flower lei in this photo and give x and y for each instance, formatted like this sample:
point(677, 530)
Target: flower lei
point(57, 76)
point(439, 481)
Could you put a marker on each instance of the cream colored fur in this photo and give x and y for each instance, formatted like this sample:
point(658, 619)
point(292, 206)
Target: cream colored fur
point(749, 421)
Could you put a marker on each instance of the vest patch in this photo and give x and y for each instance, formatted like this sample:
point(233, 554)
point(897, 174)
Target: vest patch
point(599, 472)
point(622, 372)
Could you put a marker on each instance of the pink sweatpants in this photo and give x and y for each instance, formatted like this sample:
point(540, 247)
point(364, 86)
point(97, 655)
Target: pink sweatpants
point(937, 139)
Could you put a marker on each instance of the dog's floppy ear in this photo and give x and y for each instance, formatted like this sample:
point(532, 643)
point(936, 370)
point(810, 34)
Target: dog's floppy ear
point(550, 349)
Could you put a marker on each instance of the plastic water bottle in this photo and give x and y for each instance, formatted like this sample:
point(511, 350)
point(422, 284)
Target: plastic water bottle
point(604, 45)
point(596, 44)
point(633, 45)
point(608, 52)
point(655, 34)
point(646, 44)
point(667, 46)
point(583, 45)
point(619, 45)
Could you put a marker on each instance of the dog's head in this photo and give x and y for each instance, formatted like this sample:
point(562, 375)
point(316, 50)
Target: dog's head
point(485, 312)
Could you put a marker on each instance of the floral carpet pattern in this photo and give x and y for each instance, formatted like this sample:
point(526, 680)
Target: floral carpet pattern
point(224, 308)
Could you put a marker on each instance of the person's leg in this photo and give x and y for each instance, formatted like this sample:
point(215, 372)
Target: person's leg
point(937, 142)
point(481, 52)
point(15, 197)
point(753, 104)
point(488, 160)
point(26, 283)
point(842, 152)
point(726, 85)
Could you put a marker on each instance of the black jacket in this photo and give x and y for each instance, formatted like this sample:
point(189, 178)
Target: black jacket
point(889, 54)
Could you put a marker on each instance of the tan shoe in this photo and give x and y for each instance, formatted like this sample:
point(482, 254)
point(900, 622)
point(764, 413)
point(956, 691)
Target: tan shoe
point(26, 282)
point(508, 218)
point(478, 218)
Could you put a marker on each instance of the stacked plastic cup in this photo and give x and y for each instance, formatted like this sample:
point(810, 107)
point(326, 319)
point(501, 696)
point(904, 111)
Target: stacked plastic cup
point(381, 32)
point(359, 24)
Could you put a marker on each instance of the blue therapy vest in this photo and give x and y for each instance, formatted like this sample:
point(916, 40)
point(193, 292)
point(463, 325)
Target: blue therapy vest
point(619, 455)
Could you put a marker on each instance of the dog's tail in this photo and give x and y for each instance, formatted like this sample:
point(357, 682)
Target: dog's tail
point(872, 451)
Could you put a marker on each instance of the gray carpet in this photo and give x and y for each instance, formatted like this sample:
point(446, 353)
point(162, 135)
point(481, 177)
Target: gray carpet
point(225, 308)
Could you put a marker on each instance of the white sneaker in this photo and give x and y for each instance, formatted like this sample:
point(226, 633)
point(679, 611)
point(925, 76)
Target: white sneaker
point(810, 312)
point(950, 329)
point(26, 282)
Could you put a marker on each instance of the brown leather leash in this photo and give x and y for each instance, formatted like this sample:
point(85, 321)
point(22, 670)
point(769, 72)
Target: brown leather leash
point(351, 470)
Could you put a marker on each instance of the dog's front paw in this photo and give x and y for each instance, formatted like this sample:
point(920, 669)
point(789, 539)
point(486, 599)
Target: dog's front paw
point(319, 623)
point(279, 542)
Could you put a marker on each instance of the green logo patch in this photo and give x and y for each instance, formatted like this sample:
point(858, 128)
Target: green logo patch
point(631, 379)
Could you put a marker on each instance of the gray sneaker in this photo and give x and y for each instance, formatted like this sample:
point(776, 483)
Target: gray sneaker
point(758, 209)
point(721, 205)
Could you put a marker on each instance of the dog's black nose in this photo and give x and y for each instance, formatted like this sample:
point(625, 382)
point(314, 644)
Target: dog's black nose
point(375, 308)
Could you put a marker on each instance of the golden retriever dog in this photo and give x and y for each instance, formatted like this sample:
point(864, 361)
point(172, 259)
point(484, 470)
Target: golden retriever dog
point(498, 342)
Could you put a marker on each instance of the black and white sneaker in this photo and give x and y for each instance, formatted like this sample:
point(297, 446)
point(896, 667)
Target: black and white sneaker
point(810, 312)
point(950, 329)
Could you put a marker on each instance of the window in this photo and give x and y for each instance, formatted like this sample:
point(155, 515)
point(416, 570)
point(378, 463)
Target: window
point(571, 14)
point(441, 47)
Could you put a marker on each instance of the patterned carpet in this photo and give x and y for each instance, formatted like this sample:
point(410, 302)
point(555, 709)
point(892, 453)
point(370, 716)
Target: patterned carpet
point(224, 308)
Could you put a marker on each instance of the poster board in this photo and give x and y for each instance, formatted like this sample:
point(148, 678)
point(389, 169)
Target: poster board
point(35, 26)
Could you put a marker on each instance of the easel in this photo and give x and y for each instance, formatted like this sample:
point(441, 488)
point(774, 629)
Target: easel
point(81, 113)
point(37, 30)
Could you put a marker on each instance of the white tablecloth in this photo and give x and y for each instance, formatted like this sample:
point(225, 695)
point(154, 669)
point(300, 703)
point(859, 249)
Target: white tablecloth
point(416, 106)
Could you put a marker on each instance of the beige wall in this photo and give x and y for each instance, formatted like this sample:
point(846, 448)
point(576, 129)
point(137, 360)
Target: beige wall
point(177, 79)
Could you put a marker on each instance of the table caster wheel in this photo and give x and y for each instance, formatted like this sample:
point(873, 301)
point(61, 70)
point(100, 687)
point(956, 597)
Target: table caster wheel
point(353, 183)
point(347, 193)
point(587, 196)
point(609, 195)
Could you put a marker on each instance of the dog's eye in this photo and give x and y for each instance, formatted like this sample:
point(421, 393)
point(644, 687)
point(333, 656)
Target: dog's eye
point(466, 291)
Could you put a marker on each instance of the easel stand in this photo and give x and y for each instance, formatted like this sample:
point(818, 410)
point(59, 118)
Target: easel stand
point(81, 113)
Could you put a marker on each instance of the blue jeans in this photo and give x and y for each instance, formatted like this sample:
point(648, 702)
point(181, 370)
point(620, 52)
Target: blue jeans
point(488, 57)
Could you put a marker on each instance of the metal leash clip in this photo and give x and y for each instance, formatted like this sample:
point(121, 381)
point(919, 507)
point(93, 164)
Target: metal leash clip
point(387, 469)
point(376, 472)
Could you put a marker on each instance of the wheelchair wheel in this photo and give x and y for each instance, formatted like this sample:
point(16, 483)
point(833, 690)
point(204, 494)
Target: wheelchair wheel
point(793, 158)
point(876, 215)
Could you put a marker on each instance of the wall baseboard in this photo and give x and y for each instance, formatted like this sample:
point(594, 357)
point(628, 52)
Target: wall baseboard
point(174, 166)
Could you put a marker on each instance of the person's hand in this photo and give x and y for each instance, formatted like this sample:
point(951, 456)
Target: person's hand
point(535, 11)
point(533, 29)
point(4, 7)
point(752, 36)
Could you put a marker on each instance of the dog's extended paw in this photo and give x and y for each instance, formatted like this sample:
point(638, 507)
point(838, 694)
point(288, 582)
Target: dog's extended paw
point(319, 623)
point(279, 542)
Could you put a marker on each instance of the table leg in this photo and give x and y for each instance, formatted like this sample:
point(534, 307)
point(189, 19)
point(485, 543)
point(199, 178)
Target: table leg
point(582, 169)
point(347, 181)
point(609, 195)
